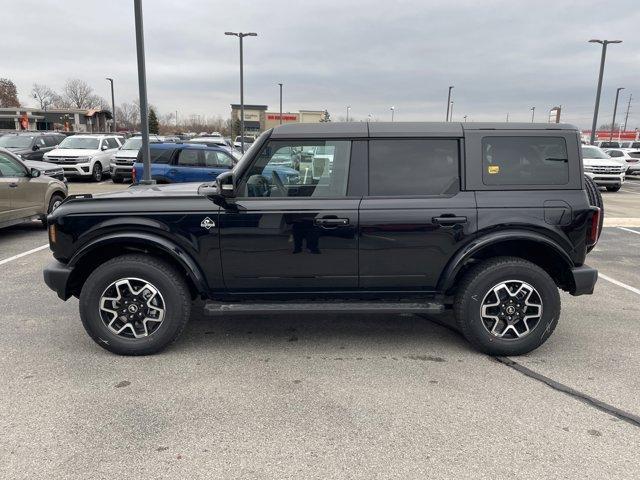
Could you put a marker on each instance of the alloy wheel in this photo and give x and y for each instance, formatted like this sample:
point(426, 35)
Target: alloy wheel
point(511, 309)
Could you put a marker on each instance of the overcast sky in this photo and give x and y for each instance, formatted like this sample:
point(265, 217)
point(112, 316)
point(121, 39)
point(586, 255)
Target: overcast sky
point(502, 56)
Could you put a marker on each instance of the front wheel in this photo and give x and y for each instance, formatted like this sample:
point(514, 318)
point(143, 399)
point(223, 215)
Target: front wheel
point(507, 306)
point(135, 305)
point(96, 174)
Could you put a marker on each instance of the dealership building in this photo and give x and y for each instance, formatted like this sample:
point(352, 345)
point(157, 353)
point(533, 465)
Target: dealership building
point(257, 119)
point(64, 119)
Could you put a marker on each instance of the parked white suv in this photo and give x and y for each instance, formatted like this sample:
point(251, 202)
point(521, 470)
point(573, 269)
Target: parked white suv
point(85, 155)
point(605, 171)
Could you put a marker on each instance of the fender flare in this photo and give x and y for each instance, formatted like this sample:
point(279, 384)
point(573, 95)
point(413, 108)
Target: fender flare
point(460, 258)
point(176, 252)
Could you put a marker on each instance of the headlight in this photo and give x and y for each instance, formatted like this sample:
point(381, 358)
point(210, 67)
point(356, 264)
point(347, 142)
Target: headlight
point(588, 169)
point(83, 159)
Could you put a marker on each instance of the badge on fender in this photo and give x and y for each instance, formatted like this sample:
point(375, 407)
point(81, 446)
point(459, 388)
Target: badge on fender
point(207, 223)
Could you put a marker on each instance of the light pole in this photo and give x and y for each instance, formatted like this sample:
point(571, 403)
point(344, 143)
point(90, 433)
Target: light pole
point(348, 110)
point(451, 114)
point(449, 101)
point(113, 103)
point(626, 117)
point(241, 35)
point(142, 87)
point(393, 109)
point(615, 110)
point(604, 44)
point(280, 103)
point(533, 113)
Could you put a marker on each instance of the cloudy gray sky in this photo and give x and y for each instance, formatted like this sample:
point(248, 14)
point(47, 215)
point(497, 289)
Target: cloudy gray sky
point(502, 56)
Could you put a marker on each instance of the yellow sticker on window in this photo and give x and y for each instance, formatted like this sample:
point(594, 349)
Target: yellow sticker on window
point(493, 169)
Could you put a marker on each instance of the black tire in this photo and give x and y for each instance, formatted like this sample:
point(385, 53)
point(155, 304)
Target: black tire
point(613, 188)
point(96, 174)
point(595, 200)
point(55, 200)
point(477, 284)
point(117, 179)
point(167, 280)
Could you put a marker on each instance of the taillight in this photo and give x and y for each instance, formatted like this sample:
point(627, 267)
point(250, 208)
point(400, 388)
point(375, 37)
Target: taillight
point(594, 229)
point(133, 174)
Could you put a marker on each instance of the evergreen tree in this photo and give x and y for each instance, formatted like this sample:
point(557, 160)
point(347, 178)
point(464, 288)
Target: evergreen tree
point(154, 126)
point(8, 93)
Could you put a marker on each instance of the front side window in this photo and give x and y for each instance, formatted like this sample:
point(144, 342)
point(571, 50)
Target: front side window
point(615, 153)
point(40, 142)
point(524, 161)
point(400, 167)
point(112, 143)
point(217, 159)
point(313, 168)
point(11, 168)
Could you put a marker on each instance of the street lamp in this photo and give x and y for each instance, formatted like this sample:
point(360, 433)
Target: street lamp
point(241, 35)
point(393, 109)
point(348, 110)
point(449, 102)
point(533, 113)
point(604, 44)
point(615, 109)
point(451, 114)
point(280, 103)
point(113, 103)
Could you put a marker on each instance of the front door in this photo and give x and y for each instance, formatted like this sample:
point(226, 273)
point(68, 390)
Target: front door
point(416, 217)
point(292, 228)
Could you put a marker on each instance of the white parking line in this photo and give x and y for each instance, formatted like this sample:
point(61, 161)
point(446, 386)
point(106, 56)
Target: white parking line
point(619, 283)
point(23, 254)
point(629, 230)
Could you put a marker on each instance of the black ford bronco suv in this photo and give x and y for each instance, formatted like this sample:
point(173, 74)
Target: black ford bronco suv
point(489, 220)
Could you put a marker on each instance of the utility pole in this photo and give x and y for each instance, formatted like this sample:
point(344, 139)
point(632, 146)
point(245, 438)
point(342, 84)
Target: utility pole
point(615, 109)
point(280, 103)
point(507, 117)
point(113, 104)
point(241, 35)
point(142, 87)
point(176, 119)
point(533, 113)
point(449, 102)
point(626, 117)
point(451, 114)
point(603, 56)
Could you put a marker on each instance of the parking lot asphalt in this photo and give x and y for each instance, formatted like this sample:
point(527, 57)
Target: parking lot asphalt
point(337, 396)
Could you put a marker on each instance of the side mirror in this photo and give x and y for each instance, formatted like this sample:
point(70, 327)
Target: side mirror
point(35, 147)
point(224, 183)
point(220, 190)
point(104, 147)
point(34, 173)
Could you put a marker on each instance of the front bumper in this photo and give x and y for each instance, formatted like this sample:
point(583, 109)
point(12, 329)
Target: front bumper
point(79, 170)
point(125, 171)
point(605, 178)
point(56, 276)
point(584, 280)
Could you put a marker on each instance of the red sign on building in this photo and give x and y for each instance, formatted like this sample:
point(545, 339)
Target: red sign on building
point(285, 117)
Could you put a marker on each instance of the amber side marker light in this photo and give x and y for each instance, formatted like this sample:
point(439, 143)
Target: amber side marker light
point(53, 234)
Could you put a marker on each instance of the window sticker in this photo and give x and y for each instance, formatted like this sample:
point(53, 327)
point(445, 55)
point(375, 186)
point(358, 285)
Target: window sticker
point(493, 169)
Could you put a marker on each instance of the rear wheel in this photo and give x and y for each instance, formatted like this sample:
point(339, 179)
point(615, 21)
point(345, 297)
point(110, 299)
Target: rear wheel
point(56, 200)
point(507, 306)
point(135, 305)
point(96, 174)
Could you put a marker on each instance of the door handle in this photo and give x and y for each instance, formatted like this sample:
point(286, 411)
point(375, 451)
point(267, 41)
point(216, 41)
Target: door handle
point(331, 222)
point(173, 171)
point(448, 220)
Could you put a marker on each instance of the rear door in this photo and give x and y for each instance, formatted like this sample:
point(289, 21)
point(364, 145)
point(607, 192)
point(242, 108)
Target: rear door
point(416, 215)
point(25, 197)
point(189, 166)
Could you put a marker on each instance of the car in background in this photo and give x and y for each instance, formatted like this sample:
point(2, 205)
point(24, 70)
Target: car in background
point(26, 194)
point(632, 144)
point(31, 145)
point(237, 143)
point(185, 162)
point(607, 144)
point(85, 156)
point(217, 142)
point(602, 169)
point(124, 158)
point(629, 156)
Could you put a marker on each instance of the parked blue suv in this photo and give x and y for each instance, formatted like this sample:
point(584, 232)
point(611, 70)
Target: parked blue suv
point(192, 162)
point(184, 162)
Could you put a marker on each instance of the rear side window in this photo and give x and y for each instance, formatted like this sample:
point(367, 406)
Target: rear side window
point(524, 161)
point(159, 156)
point(413, 167)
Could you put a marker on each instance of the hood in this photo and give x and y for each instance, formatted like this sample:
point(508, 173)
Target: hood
point(126, 153)
point(41, 165)
point(171, 190)
point(19, 150)
point(71, 152)
point(601, 162)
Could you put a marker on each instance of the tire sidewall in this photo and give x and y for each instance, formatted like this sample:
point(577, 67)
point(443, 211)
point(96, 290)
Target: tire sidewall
point(96, 284)
point(479, 288)
point(97, 167)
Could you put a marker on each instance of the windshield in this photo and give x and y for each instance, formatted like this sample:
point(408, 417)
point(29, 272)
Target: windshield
point(132, 144)
point(80, 143)
point(16, 141)
point(593, 152)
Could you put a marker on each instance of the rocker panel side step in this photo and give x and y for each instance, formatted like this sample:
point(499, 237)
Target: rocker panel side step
point(218, 308)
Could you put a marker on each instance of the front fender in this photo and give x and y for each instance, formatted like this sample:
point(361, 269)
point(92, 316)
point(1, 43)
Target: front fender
point(460, 258)
point(143, 239)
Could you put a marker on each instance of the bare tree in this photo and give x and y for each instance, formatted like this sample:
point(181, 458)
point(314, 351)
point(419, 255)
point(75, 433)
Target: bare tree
point(128, 115)
point(79, 94)
point(43, 94)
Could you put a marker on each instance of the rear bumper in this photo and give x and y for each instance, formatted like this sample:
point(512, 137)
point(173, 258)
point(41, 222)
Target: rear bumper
point(584, 280)
point(56, 276)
